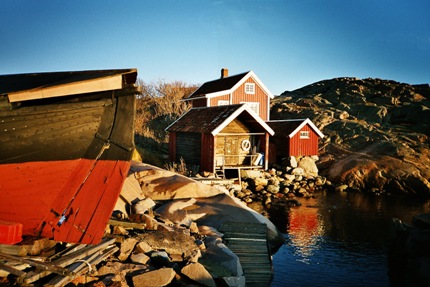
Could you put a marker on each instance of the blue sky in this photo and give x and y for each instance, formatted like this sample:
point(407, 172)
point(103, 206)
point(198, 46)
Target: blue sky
point(288, 44)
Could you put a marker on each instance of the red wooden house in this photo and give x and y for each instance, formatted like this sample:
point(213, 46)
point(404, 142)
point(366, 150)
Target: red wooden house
point(228, 90)
point(223, 137)
point(293, 138)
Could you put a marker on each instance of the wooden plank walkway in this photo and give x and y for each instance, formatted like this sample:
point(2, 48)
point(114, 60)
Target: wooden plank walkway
point(249, 242)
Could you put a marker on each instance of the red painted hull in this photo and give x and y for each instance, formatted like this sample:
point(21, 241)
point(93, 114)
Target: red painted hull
point(65, 200)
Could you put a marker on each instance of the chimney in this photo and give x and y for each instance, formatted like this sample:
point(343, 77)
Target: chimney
point(224, 73)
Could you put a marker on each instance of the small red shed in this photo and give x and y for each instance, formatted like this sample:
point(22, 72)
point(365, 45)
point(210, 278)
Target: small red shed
point(222, 137)
point(297, 137)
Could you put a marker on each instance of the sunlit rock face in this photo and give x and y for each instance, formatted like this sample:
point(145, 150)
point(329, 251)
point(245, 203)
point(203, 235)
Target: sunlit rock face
point(376, 131)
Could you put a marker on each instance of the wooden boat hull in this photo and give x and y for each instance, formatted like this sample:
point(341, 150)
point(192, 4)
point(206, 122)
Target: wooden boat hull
point(63, 163)
point(68, 201)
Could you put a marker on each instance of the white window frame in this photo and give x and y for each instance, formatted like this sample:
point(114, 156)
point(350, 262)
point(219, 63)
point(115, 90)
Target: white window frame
point(254, 106)
point(250, 88)
point(223, 102)
point(304, 134)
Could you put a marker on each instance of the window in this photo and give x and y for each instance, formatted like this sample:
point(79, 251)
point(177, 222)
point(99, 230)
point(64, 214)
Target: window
point(223, 103)
point(304, 134)
point(255, 107)
point(249, 88)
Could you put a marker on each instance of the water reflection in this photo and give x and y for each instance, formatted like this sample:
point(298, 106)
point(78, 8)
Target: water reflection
point(338, 239)
point(304, 229)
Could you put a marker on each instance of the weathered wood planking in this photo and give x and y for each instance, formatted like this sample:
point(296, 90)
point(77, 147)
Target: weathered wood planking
point(249, 242)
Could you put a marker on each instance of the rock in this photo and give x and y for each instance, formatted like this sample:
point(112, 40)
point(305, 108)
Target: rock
point(198, 273)
point(143, 206)
point(127, 247)
point(343, 115)
point(201, 244)
point(289, 177)
point(139, 258)
point(161, 184)
point(119, 270)
point(308, 165)
point(291, 161)
point(119, 230)
point(156, 278)
point(298, 177)
point(239, 281)
point(375, 133)
point(302, 192)
point(173, 242)
point(298, 171)
point(273, 181)
point(142, 247)
point(341, 188)
point(175, 212)
point(160, 258)
point(248, 173)
point(220, 261)
point(176, 258)
point(209, 231)
point(194, 256)
point(260, 181)
point(233, 210)
point(272, 188)
point(259, 188)
point(149, 221)
point(320, 180)
point(194, 228)
point(88, 281)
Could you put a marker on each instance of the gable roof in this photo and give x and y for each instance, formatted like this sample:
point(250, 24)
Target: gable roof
point(292, 127)
point(226, 86)
point(22, 87)
point(215, 119)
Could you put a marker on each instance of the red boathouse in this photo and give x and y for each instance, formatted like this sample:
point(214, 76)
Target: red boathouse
point(298, 137)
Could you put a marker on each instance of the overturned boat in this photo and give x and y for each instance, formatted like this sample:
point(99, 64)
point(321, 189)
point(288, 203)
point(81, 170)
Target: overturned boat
point(66, 142)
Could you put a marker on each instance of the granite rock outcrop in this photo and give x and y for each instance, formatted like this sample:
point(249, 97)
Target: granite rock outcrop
point(376, 132)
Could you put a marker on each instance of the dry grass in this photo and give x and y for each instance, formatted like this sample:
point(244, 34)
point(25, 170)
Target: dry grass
point(159, 105)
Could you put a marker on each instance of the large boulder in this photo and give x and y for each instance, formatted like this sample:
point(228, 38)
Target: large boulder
point(214, 211)
point(161, 184)
point(309, 166)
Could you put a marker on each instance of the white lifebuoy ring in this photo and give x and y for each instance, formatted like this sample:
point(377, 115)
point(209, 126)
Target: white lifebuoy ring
point(245, 145)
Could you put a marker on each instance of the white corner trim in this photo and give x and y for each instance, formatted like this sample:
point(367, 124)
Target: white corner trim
point(236, 113)
point(305, 122)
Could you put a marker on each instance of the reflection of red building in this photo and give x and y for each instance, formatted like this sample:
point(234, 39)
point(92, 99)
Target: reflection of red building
point(304, 226)
point(303, 220)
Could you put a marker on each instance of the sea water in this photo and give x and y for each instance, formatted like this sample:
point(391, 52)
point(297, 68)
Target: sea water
point(339, 239)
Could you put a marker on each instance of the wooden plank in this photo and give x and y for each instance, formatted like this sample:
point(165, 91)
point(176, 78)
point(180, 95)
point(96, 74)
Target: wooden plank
point(109, 189)
point(39, 265)
point(11, 270)
point(82, 87)
point(249, 242)
point(29, 246)
point(67, 257)
point(127, 224)
point(79, 268)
